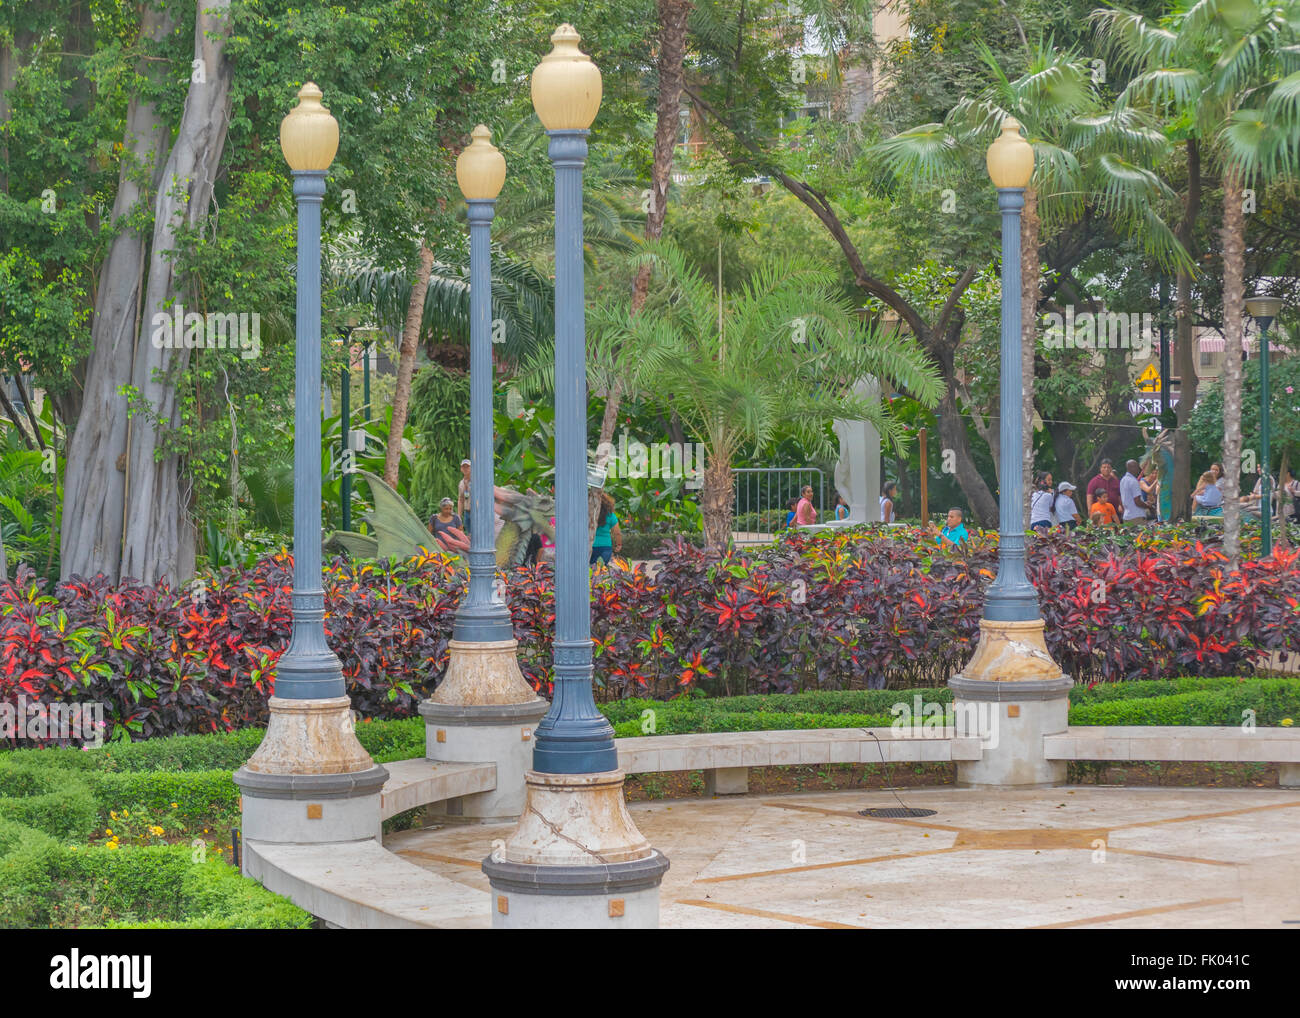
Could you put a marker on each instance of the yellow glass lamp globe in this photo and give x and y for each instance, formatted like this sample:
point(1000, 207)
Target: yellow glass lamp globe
point(1010, 158)
point(566, 84)
point(309, 135)
point(481, 168)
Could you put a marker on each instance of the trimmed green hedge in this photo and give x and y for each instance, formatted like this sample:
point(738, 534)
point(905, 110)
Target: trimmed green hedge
point(45, 884)
point(1188, 701)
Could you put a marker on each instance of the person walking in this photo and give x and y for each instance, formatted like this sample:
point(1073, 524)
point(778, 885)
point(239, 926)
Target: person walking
point(887, 495)
point(1042, 504)
point(1105, 479)
point(1132, 505)
point(609, 539)
point(1067, 513)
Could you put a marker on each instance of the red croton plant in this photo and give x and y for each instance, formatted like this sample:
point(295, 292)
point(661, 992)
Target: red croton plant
point(851, 609)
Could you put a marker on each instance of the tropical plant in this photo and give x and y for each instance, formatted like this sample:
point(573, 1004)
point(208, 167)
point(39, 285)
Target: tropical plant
point(1086, 158)
point(1226, 72)
point(786, 351)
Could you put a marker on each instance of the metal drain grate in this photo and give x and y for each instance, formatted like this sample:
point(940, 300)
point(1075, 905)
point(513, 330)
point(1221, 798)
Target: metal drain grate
point(896, 813)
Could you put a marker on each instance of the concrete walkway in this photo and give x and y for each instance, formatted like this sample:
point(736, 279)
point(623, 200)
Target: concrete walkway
point(1068, 857)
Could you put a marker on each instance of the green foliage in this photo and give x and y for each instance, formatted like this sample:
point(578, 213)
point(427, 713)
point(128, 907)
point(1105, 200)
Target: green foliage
point(1205, 427)
point(1185, 701)
point(439, 413)
point(57, 803)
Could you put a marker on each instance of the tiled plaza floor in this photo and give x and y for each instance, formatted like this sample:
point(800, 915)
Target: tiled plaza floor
point(1068, 857)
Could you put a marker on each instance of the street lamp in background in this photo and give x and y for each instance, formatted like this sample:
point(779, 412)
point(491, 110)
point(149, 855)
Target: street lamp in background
point(576, 858)
point(483, 710)
point(310, 780)
point(1011, 693)
point(1264, 309)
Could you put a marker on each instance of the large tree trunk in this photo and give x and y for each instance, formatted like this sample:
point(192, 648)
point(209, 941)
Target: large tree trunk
point(1184, 341)
point(406, 366)
point(94, 476)
point(715, 502)
point(1029, 288)
point(1234, 265)
point(160, 534)
point(672, 53)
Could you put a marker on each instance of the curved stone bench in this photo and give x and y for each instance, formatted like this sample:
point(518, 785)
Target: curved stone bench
point(1177, 743)
point(725, 757)
point(360, 885)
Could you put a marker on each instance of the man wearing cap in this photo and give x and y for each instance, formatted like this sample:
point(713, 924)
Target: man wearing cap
point(1066, 511)
point(462, 494)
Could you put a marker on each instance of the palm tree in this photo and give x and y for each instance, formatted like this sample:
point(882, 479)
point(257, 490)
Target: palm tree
point(1229, 74)
point(785, 353)
point(1084, 156)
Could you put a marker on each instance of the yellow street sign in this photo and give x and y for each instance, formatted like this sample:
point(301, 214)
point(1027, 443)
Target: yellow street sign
point(1149, 380)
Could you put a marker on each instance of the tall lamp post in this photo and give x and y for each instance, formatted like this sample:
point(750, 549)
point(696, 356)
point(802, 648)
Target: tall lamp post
point(1264, 309)
point(483, 710)
point(1011, 693)
point(576, 858)
point(310, 780)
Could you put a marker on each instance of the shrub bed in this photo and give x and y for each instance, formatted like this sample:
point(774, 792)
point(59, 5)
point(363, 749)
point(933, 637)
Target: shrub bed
point(866, 608)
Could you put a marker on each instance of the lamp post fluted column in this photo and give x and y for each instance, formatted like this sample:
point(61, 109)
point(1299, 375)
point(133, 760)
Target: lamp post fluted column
point(576, 858)
point(1264, 309)
point(483, 709)
point(1011, 693)
point(310, 780)
point(574, 737)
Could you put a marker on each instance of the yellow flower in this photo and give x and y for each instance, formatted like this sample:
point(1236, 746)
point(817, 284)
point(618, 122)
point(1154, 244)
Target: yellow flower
point(126, 812)
point(112, 844)
point(113, 813)
point(173, 805)
point(156, 830)
point(109, 831)
point(1287, 722)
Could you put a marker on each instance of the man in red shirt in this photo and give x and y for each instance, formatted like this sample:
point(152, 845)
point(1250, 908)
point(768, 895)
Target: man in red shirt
point(1108, 481)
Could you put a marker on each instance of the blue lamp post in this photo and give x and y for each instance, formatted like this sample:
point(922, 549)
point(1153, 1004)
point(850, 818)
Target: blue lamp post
point(1264, 309)
point(574, 737)
point(576, 858)
point(1011, 598)
point(308, 670)
point(1011, 694)
point(310, 780)
point(480, 172)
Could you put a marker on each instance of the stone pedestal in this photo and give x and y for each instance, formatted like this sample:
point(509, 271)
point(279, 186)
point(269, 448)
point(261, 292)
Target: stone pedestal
point(483, 711)
point(1011, 695)
point(576, 860)
point(1288, 775)
point(310, 781)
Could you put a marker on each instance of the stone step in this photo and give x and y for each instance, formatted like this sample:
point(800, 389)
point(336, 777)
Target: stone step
point(420, 782)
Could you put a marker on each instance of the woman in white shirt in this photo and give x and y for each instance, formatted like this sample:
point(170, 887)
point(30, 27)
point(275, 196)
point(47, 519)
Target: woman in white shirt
point(1042, 503)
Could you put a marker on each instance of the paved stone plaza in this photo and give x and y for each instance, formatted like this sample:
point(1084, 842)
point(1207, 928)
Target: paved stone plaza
point(1084, 857)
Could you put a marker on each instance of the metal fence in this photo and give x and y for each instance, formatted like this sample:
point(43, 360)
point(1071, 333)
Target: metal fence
point(762, 499)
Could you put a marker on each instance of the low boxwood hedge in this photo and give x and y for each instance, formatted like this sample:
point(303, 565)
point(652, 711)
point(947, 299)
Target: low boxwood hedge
point(45, 884)
point(1186, 701)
